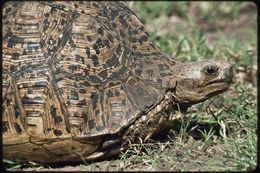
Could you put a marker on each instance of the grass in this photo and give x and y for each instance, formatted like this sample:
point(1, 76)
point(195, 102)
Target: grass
point(219, 134)
point(225, 136)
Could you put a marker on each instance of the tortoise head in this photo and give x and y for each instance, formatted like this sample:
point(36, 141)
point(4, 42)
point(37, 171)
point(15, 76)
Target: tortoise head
point(198, 81)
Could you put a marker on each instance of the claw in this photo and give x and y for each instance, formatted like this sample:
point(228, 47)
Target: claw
point(148, 136)
point(94, 155)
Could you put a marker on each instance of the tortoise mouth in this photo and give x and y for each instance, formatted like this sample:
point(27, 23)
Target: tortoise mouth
point(218, 87)
point(226, 81)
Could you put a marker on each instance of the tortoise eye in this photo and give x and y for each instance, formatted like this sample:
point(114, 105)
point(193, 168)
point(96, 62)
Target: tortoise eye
point(211, 70)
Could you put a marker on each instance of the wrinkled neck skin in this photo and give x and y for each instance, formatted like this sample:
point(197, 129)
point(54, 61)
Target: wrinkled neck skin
point(170, 99)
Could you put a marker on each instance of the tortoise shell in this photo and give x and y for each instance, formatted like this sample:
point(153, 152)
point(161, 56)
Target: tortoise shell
point(73, 70)
point(73, 74)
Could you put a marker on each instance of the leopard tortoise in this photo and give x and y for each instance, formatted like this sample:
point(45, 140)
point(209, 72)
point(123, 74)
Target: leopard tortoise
point(82, 80)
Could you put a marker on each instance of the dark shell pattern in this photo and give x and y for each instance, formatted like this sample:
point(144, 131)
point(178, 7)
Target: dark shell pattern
point(77, 69)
